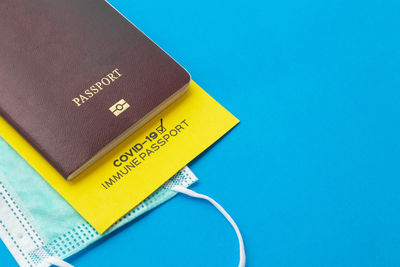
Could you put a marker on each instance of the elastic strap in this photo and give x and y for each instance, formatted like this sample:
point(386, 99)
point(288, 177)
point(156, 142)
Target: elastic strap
point(184, 190)
point(181, 189)
point(57, 262)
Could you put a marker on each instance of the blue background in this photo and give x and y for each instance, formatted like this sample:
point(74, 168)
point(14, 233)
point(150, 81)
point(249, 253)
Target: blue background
point(311, 174)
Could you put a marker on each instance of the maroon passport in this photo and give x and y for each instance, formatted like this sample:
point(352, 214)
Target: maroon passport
point(77, 78)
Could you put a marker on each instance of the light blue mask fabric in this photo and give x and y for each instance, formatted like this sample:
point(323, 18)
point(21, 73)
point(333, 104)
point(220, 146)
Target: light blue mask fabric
point(37, 223)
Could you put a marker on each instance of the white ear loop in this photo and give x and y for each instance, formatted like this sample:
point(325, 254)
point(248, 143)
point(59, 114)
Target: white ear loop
point(181, 189)
point(184, 190)
point(57, 262)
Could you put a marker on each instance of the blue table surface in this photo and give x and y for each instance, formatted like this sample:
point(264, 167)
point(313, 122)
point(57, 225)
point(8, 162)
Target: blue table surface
point(311, 174)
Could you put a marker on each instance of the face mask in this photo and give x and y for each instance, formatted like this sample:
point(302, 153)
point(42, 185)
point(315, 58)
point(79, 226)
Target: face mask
point(36, 223)
point(40, 228)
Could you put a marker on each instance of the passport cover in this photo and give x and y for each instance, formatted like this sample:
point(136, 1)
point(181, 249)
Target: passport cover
point(76, 78)
point(123, 178)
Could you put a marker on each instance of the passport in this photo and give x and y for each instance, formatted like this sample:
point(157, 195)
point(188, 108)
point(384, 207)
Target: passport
point(128, 174)
point(77, 78)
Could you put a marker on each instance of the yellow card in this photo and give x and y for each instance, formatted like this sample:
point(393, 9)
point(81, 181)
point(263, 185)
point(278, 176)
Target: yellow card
point(133, 170)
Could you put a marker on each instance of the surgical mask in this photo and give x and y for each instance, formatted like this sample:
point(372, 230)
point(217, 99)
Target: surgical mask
point(41, 229)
